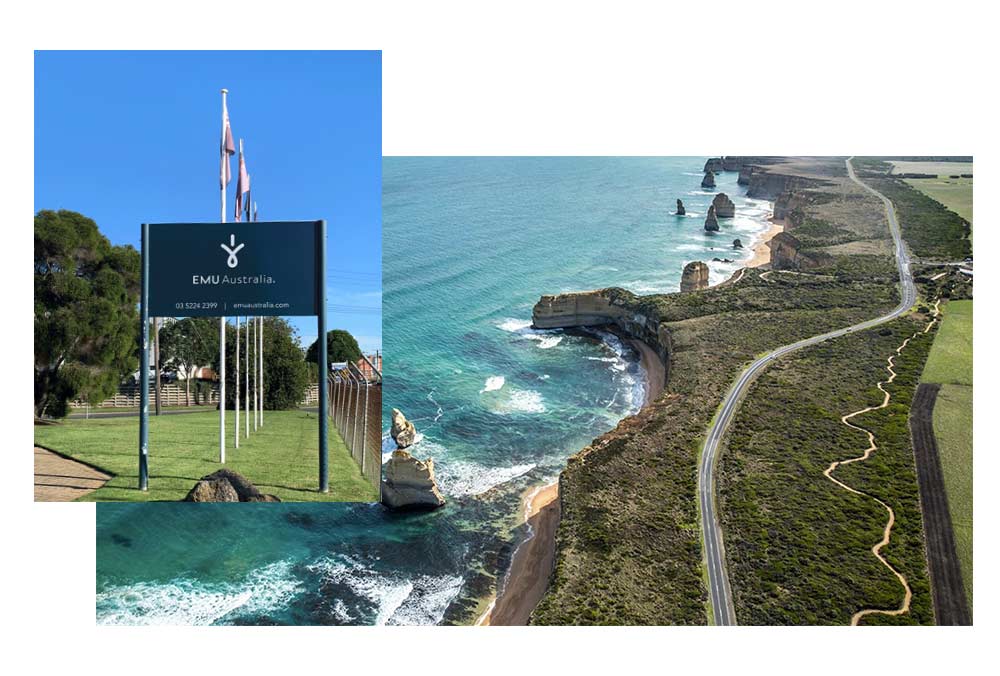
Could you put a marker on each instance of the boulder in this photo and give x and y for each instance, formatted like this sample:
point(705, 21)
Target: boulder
point(225, 485)
point(403, 432)
point(694, 277)
point(737, 244)
point(714, 164)
point(709, 180)
point(724, 207)
point(680, 208)
point(711, 222)
point(408, 483)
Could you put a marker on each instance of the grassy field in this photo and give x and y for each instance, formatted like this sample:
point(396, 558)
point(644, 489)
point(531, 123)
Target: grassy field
point(950, 363)
point(280, 458)
point(954, 193)
point(939, 168)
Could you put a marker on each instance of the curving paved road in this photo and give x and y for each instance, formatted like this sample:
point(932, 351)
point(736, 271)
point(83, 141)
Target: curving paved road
point(718, 581)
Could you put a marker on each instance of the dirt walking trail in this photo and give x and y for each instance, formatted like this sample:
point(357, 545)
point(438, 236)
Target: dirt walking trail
point(872, 447)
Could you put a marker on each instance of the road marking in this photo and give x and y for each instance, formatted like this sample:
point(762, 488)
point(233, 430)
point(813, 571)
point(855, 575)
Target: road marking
point(718, 580)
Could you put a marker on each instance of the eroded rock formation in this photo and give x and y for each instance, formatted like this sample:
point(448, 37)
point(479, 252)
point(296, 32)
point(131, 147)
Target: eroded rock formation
point(225, 485)
point(737, 244)
point(680, 208)
point(694, 277)
point(711, 222)
point(714, 164)
point(787, 254)
point(745, 171)
point(709, 180)
point(408, 483)
point(403, 432)
point(724, 207)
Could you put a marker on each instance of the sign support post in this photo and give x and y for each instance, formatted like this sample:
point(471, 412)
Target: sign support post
point(324, 483)
point(144, 364)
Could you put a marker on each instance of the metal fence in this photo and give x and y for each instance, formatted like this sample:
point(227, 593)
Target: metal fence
point(356, 412)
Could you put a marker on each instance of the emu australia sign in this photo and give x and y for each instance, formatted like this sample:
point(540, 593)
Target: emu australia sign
point(229, 269)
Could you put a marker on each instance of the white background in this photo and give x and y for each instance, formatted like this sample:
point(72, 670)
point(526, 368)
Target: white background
point(711, 77)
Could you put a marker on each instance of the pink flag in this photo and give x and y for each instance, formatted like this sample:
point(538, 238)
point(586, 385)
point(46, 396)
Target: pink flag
point(226, 149)
point(242, 185)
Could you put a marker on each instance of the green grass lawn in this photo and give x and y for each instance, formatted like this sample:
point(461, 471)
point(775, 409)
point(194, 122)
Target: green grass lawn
point(950, 363)
point(281, 458)
point(954, 193)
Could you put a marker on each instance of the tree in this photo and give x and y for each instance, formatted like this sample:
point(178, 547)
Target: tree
point(188, 344)
point(285, 372)
point(86, 319)
point(340, 346)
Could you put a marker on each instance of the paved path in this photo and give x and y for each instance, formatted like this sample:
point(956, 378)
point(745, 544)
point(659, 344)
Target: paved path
point(59, 479)
point(720, 593)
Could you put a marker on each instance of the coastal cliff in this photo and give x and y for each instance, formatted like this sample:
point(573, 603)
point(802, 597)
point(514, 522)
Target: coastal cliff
point(611, 306)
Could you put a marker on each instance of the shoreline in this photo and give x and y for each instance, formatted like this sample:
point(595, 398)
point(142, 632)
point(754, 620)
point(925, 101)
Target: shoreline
point(761, 251)
point(527, 578)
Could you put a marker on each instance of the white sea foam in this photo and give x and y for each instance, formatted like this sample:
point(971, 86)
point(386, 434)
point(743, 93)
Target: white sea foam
point(521, 401)
point(546, 339)
point(389, 596)
point(460, 477)
point(493, 383)
point(184, 601)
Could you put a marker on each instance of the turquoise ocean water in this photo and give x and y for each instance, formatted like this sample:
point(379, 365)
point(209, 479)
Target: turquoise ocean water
point(469, 244)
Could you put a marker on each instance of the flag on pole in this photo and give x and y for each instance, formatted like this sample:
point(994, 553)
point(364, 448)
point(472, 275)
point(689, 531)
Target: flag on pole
point(227, 148)
point(242, 185)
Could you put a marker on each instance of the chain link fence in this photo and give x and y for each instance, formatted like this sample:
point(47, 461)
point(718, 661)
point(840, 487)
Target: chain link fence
point(356, 412)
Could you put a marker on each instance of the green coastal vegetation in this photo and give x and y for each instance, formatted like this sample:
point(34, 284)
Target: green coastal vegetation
point(950, 363)
point(280, 458)
point(798, 547)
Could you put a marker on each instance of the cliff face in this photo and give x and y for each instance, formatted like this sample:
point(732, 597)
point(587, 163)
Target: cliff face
point(787, 254)
point(601, 307)
point(768, 186)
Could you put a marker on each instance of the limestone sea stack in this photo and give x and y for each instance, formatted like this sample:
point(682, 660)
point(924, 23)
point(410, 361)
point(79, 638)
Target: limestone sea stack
point(711, 222)
point(709, 180)
point(409, 483)
point(694, 277)
point(737, 244)
point(724, 207)
point(714, 164)
point(680, 208)
point(403, 432)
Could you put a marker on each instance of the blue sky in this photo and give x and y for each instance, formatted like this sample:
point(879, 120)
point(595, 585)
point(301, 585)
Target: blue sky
point(133, 137)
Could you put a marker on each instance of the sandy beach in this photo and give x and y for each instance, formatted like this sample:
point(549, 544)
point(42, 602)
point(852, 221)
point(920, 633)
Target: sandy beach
point(656, 374)
point(761, 252)
point(528, 576)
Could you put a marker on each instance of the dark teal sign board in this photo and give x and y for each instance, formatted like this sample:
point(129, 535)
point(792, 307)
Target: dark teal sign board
point(229, 269)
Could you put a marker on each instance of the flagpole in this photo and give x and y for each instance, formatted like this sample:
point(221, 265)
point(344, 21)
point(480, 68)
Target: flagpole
point(222, 320)
point(255, 374)
point(246, 374)
point(237, 397)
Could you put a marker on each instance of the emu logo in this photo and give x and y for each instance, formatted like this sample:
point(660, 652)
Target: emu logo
point(232, 250)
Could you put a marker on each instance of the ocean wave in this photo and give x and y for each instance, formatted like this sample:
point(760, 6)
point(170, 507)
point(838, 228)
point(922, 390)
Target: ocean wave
point(461, 477)
point(522, 328)
point(493, 383)
point(387, 598)
point(520, 401)
point(184, 601)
